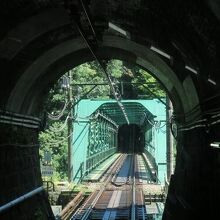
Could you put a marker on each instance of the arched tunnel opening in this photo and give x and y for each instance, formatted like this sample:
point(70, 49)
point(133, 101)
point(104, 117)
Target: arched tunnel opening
point(31, 100)
point(29, 104)
point(99, 131)
point(179, 46)
point(130, 139)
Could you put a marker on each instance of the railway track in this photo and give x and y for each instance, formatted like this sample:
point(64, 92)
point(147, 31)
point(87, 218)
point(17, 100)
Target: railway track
point(121, 193)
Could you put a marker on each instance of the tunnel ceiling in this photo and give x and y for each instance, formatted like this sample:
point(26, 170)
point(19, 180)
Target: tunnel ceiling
point(40, 40)
point(136, 113)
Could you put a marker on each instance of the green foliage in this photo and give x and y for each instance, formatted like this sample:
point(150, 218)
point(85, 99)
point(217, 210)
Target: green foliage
point(115, 68)
point(150, 88)
point(89, 73)
point(53, 140)
point(92, 73)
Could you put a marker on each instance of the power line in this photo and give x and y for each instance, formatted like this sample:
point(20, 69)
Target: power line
point(101, 64)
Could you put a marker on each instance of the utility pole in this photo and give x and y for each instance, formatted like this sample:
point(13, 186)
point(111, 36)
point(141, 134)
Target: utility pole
point(169, 139)
point(70, 127)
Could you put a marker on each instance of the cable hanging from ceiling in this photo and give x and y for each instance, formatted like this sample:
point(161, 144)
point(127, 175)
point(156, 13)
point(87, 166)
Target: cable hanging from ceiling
point(102, 64)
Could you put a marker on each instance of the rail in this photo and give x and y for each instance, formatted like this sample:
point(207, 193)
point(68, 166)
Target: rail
point(90, 207)
point(119, 201)
point(71, 206)
point(89, 210)
point(98, 195)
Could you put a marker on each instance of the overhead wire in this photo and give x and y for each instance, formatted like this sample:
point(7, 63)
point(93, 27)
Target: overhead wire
point(62, 127)
point(57, 117)
point(101, 64)
point(60, 141)
point(157, 97)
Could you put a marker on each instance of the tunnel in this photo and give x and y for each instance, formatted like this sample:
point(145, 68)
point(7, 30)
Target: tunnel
point(177, 42)
point(130, 139)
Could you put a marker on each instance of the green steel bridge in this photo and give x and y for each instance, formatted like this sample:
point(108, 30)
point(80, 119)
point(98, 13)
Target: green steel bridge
point(101, 131)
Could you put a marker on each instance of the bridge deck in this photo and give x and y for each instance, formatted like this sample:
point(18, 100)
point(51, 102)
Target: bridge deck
point(98, 172)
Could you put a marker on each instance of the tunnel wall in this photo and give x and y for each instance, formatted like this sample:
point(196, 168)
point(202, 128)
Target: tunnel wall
point(20, 173)
point(194, 179)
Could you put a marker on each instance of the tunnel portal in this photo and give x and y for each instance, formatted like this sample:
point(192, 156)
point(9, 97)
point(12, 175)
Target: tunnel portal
point(130, 139)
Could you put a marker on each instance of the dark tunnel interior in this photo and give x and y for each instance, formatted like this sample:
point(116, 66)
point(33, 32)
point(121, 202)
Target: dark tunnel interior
point(130, 139)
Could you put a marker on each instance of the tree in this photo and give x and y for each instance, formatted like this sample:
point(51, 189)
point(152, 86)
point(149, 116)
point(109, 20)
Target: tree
point(148, 84)
point(53, 140)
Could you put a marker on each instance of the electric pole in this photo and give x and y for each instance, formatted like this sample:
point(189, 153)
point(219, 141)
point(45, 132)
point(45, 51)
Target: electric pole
point(70, 127)
point(169, 139)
